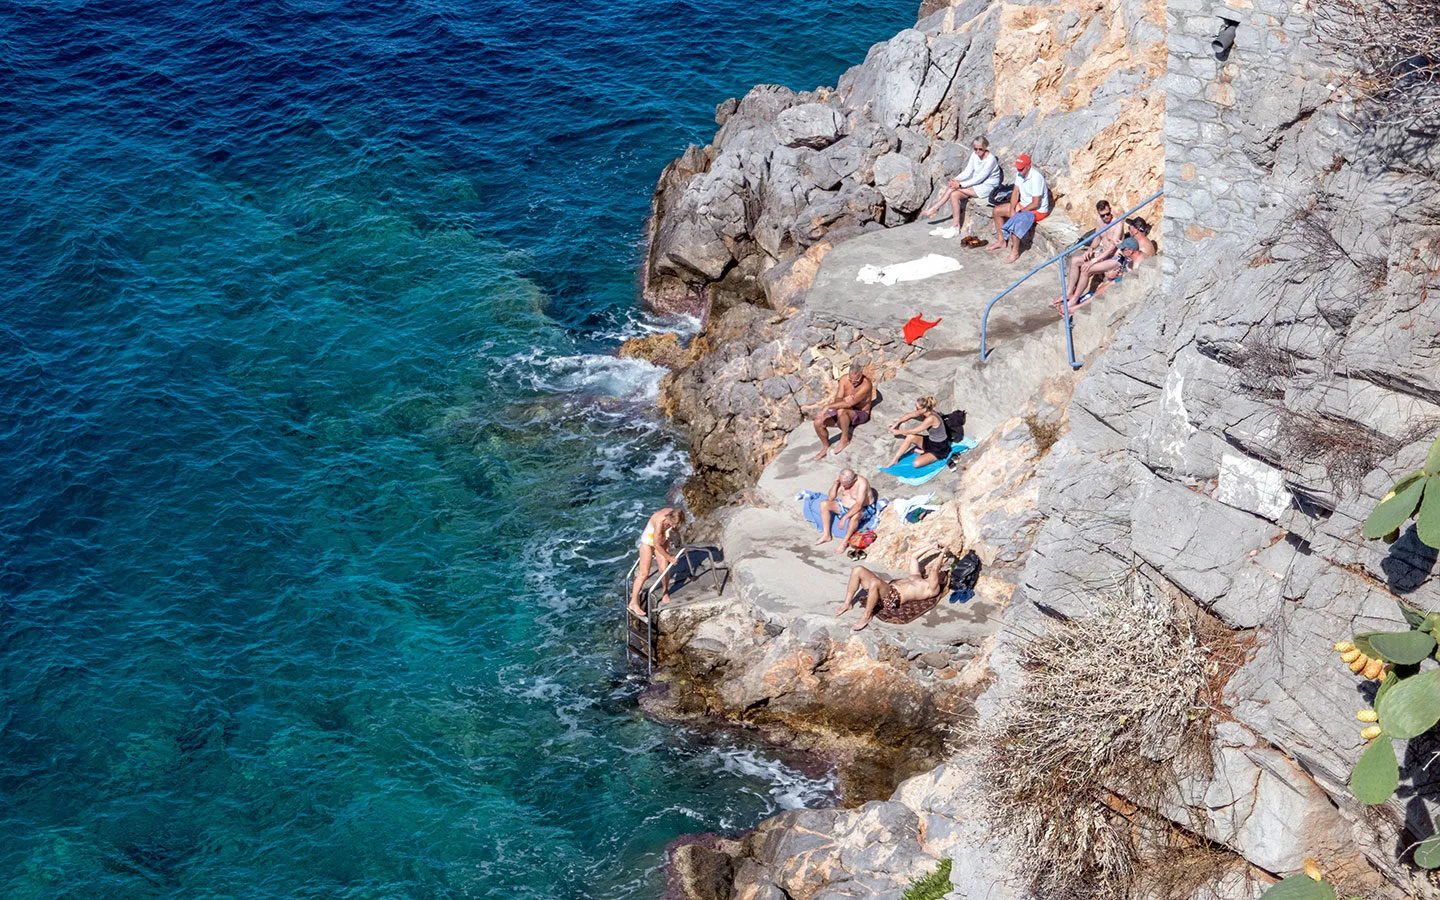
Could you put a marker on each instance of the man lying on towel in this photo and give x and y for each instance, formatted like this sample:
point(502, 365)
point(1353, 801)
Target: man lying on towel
point(904, 599)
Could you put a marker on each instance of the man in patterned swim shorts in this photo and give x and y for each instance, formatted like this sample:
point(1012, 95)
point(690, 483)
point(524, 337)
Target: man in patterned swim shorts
point(904, 599)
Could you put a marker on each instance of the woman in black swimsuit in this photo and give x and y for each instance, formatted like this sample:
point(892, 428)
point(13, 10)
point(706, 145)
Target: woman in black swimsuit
point(931, 438)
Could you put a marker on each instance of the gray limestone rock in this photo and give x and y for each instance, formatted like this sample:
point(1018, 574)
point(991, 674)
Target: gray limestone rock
point(812, 125)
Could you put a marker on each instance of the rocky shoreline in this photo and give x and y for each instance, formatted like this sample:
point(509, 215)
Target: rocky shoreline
point(1231, 428)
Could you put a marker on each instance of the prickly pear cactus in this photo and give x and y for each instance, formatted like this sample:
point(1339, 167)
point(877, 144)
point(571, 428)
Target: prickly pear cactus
point(1417, 495)
point(1407, 705)
point(1300, 887)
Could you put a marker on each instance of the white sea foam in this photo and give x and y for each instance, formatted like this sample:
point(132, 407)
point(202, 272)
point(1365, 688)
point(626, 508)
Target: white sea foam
point(633, 380)
point(789, 787)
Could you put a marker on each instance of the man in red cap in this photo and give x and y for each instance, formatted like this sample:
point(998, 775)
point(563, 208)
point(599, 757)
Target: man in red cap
point(1029, 203)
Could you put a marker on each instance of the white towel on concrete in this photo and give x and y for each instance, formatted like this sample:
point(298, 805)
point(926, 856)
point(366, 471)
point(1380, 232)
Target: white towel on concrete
point(945, 231)
point(927, 266)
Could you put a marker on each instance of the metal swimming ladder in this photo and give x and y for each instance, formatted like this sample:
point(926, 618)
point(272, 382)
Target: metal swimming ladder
point(1063, 258)
point(641, 637)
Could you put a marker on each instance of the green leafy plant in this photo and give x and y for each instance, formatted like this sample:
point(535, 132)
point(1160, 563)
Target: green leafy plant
point(1300, 887)
point(1416, 495)
point(1407, 705)
point(935, 885)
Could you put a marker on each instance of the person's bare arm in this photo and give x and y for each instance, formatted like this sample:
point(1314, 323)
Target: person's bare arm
point(850, 399)
point(924, 426)
point(914, 413)
point(836, 400)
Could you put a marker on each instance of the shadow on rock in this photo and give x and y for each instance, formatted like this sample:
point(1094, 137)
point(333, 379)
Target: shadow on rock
point(1409, 564)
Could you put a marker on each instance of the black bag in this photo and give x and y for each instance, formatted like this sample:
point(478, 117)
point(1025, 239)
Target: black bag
point(954, 425)
point(965, 573)
point(1001, 194)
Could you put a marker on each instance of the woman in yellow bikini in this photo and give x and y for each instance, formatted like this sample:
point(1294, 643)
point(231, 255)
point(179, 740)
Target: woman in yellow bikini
point(655, 544)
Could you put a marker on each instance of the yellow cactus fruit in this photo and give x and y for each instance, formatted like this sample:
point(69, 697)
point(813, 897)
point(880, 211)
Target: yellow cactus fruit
point(1350, 655)
point(1358, 663)
point(1370, 733)
point(1368, 715)
point(1344, 647)
point(1312, 869)
point(1374, 669)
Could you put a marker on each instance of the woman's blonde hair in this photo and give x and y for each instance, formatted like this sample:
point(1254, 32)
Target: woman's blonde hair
point(926, 402)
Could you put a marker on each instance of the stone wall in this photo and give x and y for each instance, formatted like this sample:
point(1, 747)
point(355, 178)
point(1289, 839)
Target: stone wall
point(1224, 119)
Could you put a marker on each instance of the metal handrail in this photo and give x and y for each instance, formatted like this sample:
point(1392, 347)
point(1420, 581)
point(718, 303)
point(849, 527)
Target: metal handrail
point(1062, 256)
point(682, 554)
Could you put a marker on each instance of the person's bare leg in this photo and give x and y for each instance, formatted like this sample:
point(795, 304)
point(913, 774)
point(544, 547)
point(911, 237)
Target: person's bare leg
point(822, 431)
point(828, 511)
point(642, 571)
point(844, 417)
point(956, 200)
point(923, 459)
point(1014, 250)
point(856, 574)
point(999, 214)
point(852, 524)
point(909, 441)
point(1077, 290)
point(874, 593)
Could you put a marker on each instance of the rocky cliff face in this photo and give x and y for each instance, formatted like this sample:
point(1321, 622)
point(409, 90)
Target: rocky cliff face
point(1073, 83)
point(1224, 450)
point(745, 221)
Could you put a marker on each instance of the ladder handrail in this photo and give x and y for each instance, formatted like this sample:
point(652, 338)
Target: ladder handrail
point(1064, 283)
point(716, 565)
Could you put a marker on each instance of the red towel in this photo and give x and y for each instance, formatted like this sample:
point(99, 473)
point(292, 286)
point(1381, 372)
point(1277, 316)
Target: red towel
point(918, 326)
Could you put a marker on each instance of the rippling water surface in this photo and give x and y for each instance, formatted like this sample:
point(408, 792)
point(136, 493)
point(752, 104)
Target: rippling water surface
point(317, 469)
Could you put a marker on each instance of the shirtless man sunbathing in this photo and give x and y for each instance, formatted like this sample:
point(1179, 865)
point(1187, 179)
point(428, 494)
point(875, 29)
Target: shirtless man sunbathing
point(923, 583)
point(847, 407)
point(851, 502)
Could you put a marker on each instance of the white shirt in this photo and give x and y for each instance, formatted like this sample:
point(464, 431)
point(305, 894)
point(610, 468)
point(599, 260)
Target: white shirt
point(980, 173)
point(1032, 186)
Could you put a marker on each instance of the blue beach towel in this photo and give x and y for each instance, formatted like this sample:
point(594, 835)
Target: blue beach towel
point(906, 471)
point(811, 509)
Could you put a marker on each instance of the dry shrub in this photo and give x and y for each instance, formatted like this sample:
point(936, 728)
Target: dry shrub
point(1390, 46)
point(1263, 366)
point(1115, 708)
point(1044, 432)
point(1347, 451)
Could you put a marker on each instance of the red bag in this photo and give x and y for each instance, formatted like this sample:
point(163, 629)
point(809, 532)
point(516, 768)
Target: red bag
point(861, 539)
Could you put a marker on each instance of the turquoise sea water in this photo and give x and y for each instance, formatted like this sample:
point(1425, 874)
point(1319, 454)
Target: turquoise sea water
point(317, 466)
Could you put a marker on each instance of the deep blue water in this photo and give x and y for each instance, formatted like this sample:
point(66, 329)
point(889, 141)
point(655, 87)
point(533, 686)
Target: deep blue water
point(316, 465)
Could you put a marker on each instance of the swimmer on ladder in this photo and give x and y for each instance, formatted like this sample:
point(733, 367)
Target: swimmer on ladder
point(655, 542)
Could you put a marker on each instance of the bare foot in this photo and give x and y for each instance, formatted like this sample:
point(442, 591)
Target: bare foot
point(860, 625)
point(824, 540)
point(637, 612)
point(844, 609)
point(1012, 257)
point(842, 445)
point(841, 548)
point(998, 245)
point(665, 599)
point(821, 455)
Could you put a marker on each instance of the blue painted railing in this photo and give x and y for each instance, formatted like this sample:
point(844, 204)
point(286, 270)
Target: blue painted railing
point(1062, 257)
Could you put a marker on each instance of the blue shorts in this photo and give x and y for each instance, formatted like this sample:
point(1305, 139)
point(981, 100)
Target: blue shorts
point(1018, 225)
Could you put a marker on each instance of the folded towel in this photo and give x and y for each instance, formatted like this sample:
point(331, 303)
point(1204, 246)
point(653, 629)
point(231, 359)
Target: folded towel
point(906, 471)
point(811, 509)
